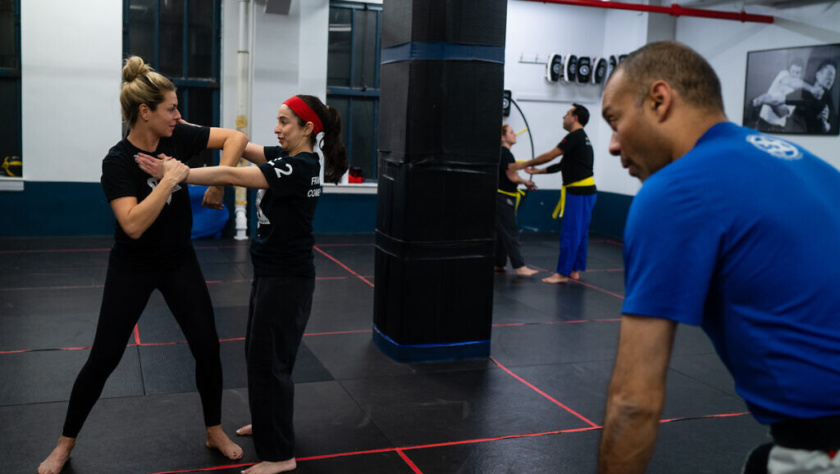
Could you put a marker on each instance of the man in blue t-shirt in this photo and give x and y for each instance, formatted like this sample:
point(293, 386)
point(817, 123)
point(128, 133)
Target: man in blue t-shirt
point(734, 231)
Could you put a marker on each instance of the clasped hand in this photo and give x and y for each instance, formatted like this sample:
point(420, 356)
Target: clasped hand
point(162, 167)
point(165, 166)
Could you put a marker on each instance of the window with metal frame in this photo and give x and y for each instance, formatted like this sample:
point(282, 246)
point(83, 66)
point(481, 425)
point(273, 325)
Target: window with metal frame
point(11, 163)
point(353, 79)
point(181, 40)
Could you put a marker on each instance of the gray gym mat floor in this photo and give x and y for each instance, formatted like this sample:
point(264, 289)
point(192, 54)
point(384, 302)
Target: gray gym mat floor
point(535, 406)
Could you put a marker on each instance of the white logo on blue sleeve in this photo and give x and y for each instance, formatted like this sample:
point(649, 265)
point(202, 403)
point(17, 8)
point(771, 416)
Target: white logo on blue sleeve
point(775, 147)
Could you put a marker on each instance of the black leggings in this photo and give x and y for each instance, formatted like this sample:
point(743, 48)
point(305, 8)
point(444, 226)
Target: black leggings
point(127, 291)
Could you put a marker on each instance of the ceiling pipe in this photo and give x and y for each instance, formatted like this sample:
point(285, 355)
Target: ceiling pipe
point(673, 10)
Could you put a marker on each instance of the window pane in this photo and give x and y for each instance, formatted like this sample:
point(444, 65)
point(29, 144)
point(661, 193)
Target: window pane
point(362, 151)
point(201, 39)
point(364, 49)
point(172, 38)
point(10, 132)
point(199, 111)
point(338, 59)
point(141, 30)
point(8, 56)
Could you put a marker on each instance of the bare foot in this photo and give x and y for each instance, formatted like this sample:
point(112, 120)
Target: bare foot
point(498, 269)
point(575, 275)
point(217, 439)
point(58, 457)
point(272, 467)
point(556, 278)
point(245, 431)
point(525, 271)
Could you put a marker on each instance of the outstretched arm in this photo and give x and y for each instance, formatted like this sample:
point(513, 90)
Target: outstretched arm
point(636, 394)
point(249, 177)
point(514, 177)
point(544, 158)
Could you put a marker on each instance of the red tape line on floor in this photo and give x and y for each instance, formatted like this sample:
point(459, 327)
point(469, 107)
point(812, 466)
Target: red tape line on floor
point(408, 461)
point(342, 265)
point(549, 397)
point(445, 444)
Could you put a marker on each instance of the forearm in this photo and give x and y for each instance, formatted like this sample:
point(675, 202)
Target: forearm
point(212, 176)
point(233, 149)
point(630, 431)
point(543, 158)
point(636, 394)
point(140, 217)
point(249, 176)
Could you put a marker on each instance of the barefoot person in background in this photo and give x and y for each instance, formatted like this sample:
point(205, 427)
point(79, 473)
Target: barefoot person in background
point(507, 203)
point(577, 197)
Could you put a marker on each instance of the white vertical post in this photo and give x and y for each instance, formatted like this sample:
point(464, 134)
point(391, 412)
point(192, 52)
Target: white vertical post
point(243, 113)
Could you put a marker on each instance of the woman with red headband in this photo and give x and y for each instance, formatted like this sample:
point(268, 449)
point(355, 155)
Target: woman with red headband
point(288, 178)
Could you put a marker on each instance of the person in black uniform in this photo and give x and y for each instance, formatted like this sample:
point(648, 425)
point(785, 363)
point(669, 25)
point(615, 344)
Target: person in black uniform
point(507, 203)
point(288, 178)
point(152, 250)
point(577, 196)
point(814, 113)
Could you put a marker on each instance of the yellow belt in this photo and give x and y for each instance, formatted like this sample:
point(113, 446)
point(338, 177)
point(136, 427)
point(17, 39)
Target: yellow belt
point(561, 205)
point(518, 195)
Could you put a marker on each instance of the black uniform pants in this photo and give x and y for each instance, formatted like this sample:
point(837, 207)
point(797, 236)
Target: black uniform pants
point(507, 233)
point(126, 293)
point(279, 311)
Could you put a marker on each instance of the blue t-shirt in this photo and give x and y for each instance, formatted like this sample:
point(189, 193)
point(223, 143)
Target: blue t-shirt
point(742, 237)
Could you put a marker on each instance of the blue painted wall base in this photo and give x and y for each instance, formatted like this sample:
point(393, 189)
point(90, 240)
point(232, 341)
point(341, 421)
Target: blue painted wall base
point(423, 353)
point(56, 209)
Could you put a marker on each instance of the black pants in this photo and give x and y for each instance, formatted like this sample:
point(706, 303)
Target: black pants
point(279, 311)
point(127, 291)
point(507, 233)
point(815, 434)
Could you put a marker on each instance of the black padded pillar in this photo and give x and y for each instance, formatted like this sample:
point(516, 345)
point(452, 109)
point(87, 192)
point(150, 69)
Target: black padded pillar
point(440, 115)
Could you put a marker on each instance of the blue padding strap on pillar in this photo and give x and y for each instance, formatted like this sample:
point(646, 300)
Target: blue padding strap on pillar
point(443, 52)
point(424, 353)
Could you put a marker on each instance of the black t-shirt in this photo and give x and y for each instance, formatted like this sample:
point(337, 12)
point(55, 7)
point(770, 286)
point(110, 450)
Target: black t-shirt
point(506, 184)
point(577, 162)
point(167, 240)
point(283, 245)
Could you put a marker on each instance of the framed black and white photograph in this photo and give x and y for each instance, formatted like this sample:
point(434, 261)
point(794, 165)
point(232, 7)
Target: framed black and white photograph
point(793, 90)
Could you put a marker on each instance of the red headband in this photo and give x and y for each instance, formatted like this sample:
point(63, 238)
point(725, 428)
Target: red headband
point(305, 112)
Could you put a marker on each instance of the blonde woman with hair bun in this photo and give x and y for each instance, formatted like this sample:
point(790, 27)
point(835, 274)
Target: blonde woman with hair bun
point(152, 250)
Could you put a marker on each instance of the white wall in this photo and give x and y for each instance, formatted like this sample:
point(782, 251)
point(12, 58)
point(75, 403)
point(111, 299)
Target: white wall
point(71, 73)
point(534, 31)
point(71, 63)
point(70, 69)
point(725, 45)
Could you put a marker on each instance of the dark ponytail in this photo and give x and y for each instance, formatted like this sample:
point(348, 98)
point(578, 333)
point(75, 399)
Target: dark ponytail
point(335, 155)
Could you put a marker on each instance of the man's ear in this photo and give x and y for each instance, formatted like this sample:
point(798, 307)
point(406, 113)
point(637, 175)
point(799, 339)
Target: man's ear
point(661, 97)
